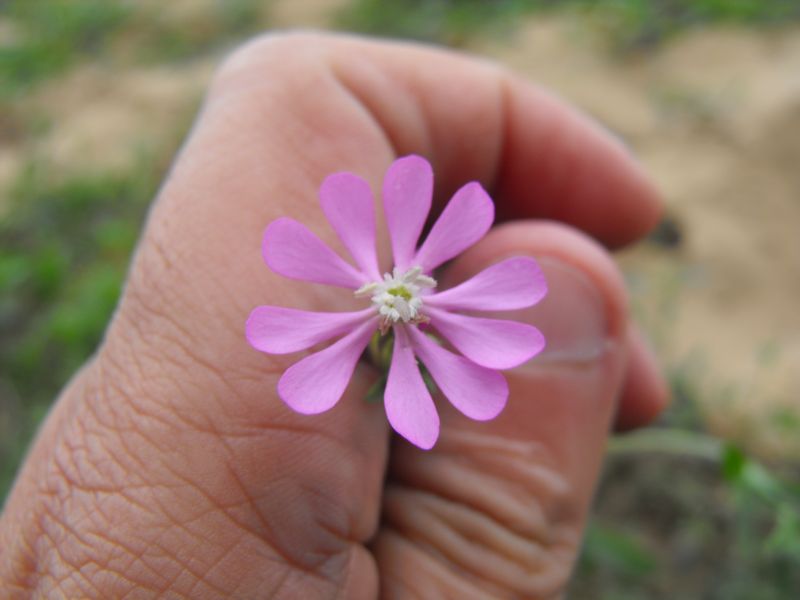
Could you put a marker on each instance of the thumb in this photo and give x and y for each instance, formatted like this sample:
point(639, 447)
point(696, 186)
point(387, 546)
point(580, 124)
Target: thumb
point(501, 506)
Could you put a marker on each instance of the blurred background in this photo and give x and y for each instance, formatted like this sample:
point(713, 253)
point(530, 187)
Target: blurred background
point(96, 95)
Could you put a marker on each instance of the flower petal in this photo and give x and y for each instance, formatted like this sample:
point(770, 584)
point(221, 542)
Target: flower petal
point(278, 330)
point(464, 221)
point(407, 194)
point(476, 391)
point(315, 384)
point(348, 204)
point(408, 403)
point(508, 285)
point(291, 250)
point(492, 343)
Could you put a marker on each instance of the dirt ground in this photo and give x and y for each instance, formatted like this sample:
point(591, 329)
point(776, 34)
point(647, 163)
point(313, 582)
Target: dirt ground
point(715, 118)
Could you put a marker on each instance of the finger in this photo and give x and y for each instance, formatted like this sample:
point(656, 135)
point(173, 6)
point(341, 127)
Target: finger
point(645, 394)
point(497, 508)
point(474, 120)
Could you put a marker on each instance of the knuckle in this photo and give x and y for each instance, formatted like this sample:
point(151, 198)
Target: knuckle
point(268, 51)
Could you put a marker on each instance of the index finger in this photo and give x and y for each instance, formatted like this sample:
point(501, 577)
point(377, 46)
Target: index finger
point(539, 157)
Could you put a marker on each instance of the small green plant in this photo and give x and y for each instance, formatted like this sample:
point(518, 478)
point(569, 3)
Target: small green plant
point(629, 23)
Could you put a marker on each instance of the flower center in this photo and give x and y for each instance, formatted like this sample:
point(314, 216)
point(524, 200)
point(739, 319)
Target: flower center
point(399, 296)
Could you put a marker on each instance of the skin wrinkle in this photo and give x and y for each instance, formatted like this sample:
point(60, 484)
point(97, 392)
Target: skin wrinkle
point(209, 424)
point(77, 490)
point(478, 481)
point(93, 461)
point(192, 358)
point(150, 311)
point(73, 570)
point(351, 78)
point(97, 570)
point(335, 532)
point(430, 566)
point(438, 576)
point(169, 556)
point(363, 80)
point(345, 592)
point(23, 564)
point(458, 484)
point(173, 417)
point(530, 460)
point(515, 550)
point(526, 467)
point(115, 551)
point(398, 583)
point(134, 414)
point(307, 568)
point(114, 378)
point(339, 78)
point(196, 574)
point(222, 510)
point(426, 518)
point(266, 533)
point(286, 559)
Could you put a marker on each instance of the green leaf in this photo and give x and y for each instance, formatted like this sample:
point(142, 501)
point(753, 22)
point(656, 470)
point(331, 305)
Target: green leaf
point(617, 550)
point(733, 463)
point(785, 535)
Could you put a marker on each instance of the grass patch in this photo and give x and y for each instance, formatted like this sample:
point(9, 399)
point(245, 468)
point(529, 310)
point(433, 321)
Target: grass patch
point(66, 245)
point(628, 23)
point(155, 39)
point(51, 35)
point(682, 514)
point(450, 22)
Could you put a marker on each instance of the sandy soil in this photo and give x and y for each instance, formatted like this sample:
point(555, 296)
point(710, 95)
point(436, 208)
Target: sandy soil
point(714, 116)
point(106, 118)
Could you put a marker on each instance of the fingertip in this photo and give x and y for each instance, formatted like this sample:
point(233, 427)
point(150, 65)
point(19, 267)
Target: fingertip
point(560, 164)
point(645, 393)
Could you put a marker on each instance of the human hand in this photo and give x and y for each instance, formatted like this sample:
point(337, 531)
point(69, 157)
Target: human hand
point(170, 467)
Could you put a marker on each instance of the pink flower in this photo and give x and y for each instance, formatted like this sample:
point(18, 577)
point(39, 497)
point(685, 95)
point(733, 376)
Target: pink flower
point(399, 302)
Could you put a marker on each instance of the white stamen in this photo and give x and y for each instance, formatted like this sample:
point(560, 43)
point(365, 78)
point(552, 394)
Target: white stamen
point(399, 296)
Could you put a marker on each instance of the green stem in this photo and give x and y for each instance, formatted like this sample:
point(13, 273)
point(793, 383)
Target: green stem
point(676, 442)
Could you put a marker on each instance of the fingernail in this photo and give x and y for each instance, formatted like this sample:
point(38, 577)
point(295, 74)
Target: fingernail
point(572, 316)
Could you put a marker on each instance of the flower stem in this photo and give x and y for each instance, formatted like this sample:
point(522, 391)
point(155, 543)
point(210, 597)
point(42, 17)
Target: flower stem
point(379, 351)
